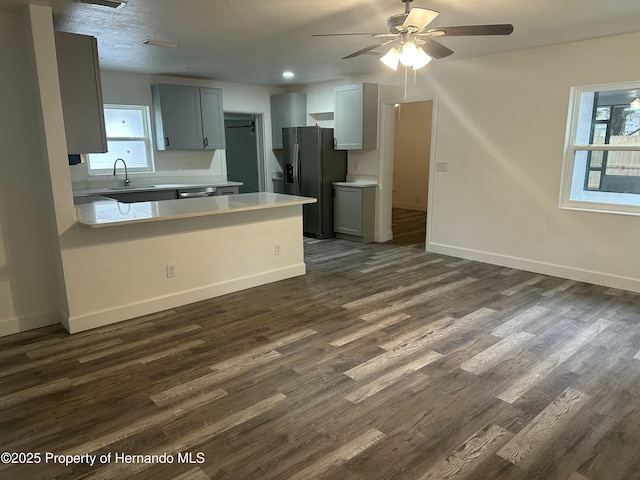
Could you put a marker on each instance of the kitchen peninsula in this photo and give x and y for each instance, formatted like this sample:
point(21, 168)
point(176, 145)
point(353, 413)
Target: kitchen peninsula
point(132, 259)
point(109, 212)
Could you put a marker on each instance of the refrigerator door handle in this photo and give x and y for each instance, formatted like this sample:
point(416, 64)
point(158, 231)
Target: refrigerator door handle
point(296, 167)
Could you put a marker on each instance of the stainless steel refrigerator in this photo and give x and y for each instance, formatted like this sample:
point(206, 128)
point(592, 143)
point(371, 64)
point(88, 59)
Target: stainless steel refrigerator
point(311, 165)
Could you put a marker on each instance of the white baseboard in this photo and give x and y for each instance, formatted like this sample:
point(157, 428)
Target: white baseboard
point(79, 323)
point(563, 271)
point(29, 322)
point(384, 236)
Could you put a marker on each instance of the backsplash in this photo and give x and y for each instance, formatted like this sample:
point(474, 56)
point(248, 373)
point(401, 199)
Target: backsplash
point(173, 167)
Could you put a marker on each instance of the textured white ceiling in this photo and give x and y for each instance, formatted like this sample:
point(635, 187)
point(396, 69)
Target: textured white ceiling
point(254, 41)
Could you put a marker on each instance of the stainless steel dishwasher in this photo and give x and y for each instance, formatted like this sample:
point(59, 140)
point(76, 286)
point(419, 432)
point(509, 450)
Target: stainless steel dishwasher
point(196, 192)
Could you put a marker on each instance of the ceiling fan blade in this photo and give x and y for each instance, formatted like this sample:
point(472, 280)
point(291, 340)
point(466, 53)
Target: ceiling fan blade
point(500, 29)
point(418, 19)
point(369, 48)
point(345, 34)
point(435, 49)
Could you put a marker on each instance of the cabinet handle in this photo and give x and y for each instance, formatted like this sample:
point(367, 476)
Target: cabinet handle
point(206, 142)
point(166, 141)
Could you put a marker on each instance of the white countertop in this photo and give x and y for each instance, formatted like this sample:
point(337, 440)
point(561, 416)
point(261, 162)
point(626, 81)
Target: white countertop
point(111, 212)
point(150, 187)
point(356, 183)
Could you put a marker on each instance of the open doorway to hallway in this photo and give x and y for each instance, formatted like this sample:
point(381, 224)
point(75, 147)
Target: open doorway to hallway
point(412, 146)
point(244, 161)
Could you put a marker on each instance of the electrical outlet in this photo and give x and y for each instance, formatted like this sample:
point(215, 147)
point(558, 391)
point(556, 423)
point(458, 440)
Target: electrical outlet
point(171, 270)
point(442, 167)
point(277, 249)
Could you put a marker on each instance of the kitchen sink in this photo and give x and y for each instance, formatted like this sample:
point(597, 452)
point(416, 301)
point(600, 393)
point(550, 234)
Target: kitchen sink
point(143, 196)
point(131, 187)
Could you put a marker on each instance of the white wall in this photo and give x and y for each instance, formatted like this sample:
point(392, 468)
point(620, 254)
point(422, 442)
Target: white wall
point(182, 166)
point(29, 293)
point(500, 126)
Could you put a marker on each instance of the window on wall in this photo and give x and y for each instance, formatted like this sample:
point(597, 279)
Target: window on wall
point(128, 137)
point(602, 151)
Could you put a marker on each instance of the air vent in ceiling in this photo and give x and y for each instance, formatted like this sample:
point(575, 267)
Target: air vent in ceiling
point(158, 43)
point(106, 3)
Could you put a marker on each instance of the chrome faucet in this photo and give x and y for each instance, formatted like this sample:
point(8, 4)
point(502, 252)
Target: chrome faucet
point(127, 182)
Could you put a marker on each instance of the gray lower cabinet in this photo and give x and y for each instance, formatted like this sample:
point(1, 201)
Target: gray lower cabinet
point(81, 93)
point(354, 211)
point(188, 118)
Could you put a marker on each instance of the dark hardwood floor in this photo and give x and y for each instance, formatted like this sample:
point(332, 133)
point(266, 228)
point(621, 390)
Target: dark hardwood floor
point(383, 362)
point(409, 227)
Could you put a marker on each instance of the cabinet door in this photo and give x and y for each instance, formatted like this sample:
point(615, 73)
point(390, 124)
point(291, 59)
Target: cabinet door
point(348, 211)
point(348, 117)
point(178, 117)
point(81, 93)
point(212, 118)
point(356, 117)
point(287, 110)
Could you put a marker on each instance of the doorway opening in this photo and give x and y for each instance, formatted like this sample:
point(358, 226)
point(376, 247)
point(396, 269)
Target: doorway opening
point(244, 152)
point(411, 158)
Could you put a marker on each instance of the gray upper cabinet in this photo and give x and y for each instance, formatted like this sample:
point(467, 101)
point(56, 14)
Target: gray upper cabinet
point(356, 117)
point(287, 110)
point(212, 118)
point(188, 118)
point(81, 93)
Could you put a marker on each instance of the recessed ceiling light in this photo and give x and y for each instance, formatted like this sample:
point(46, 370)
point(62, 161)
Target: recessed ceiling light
point(288, 75)
point(123, 45)
point(158, 43)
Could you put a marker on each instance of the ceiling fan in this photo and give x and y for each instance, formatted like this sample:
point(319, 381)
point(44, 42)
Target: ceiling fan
point(415, 46)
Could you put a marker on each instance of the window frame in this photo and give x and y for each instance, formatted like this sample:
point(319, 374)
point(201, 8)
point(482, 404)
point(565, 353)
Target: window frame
point(147, 139)
point(590, 200)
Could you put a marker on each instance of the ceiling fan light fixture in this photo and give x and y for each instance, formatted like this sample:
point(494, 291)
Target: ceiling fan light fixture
point(421, 59)
point(391, 58)
point(409, 54)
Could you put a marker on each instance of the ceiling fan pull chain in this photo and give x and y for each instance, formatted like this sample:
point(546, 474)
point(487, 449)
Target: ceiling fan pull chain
point(406, 75)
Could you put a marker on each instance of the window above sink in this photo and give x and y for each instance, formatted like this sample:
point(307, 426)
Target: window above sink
point(128, 137)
